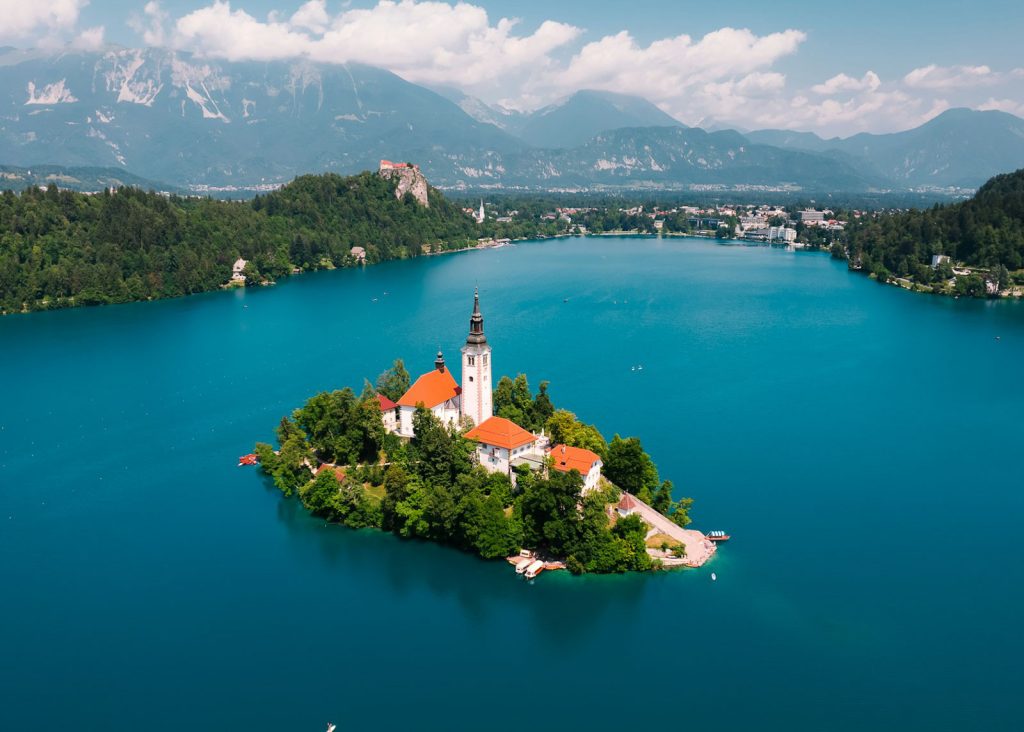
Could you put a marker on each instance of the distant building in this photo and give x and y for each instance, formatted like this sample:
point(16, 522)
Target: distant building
point(566, 458)
point(388, 165)
point(359, 254)
point(938, 259)
point(480, 214)
point(811, 217)
point(703, 222)
point(500, 442)
point(237, 269)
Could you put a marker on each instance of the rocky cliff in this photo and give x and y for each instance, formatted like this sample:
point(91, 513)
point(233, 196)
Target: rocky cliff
point(409, 178)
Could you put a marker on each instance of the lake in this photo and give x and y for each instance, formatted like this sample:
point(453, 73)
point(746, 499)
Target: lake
point(860, 443)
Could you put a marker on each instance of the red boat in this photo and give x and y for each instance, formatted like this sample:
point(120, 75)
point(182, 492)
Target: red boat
point(250, 459)
point(718, 536)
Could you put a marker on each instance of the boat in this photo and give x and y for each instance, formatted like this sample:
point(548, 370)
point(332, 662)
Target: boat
point(718, 536)
point(535, 568)
point(714, 577)
point(250, 459)
point(330, 727)
point(522, 564)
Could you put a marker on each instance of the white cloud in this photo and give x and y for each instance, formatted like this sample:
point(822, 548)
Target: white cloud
point(1004, 105)
point(90, 39)
point(312, 16)
point(662, 70)
point(421, 41)
point(150, 25)
point(41, 21)
point(842, 82)
point(949, 77)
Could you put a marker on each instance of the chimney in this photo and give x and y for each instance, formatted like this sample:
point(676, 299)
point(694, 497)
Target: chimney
point(439, 362)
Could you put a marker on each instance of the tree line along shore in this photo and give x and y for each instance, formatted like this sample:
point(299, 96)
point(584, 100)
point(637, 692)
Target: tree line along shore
point(335, 455)
point(60, 248)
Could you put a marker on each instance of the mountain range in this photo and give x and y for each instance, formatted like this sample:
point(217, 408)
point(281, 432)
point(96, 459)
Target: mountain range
point(194, 122)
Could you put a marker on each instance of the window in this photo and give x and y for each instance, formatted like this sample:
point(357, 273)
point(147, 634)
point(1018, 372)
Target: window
point(470, 378)
point(470, 360)
point(485, 359)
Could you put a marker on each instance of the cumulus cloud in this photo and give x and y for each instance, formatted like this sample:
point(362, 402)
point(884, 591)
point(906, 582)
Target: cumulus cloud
point(150, 25)
point(1004, 105)
point(421, 41)
point(46, 22)
point(842, 82)
point(949, 77)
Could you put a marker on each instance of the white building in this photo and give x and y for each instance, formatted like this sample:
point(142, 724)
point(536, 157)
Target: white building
point(587, 463)
point(237, 270)
point(477, 396)
point(938, 259)
point(437, 391)
point(389, 413)
point(500, 442)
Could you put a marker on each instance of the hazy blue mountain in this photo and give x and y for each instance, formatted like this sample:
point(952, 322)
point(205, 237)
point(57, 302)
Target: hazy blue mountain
point(173, 117)
point(576, 119)
point(76, 178)
point(960, 147)
point(187, 121)
point(674, 157)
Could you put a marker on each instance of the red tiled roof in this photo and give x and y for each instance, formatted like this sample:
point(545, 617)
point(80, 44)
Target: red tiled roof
point(627, 503)
point(501, 432)
point(385, 403)
point(433, 388)
point(573, 458)
point(339, 473)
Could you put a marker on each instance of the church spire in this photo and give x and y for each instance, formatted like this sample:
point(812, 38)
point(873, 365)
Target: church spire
point(476, 322)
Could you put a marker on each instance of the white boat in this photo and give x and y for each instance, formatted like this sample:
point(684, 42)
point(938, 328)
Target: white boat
point(714, 576)
point(535, 568)
point(522, 564)
point(330, 727)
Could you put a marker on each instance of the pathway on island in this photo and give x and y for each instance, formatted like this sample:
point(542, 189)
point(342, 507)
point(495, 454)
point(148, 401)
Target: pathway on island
point(699, 549)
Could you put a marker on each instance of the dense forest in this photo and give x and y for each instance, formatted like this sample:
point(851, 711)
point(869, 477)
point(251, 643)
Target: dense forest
point(60, 248)
point(430, 488)
point(986, 231)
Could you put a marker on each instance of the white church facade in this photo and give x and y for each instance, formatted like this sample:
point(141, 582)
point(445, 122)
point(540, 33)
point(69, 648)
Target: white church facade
point(438, 391)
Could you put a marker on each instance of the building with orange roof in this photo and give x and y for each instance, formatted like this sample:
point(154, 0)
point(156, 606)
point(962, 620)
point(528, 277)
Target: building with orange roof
point(339, 473)
point(588, 464)
point(500, 442)
point(388, 413)
point(436, 390)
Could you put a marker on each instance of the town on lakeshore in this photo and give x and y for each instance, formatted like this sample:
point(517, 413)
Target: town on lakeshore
point(497, 471)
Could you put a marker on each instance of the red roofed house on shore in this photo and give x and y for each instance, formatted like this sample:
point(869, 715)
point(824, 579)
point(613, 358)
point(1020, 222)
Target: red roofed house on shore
point(500, 441)
point(588, 463)
point(437, 391)
point(388, 412)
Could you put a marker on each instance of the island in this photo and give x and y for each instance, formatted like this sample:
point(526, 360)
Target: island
point(499, 472)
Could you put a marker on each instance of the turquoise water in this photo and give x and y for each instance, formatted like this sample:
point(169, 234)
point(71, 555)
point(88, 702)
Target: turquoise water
point(861, 444)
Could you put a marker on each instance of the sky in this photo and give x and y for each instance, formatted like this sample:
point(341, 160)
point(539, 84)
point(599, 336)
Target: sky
point(830, 68)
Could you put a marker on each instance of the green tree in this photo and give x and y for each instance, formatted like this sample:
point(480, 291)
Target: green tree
point(630, 468)
point(394, 382)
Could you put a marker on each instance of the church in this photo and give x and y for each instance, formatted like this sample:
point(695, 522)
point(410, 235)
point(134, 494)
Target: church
point(438, 391)
point(501, 443)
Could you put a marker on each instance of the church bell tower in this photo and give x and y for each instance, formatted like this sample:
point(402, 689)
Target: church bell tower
point(477, 399)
